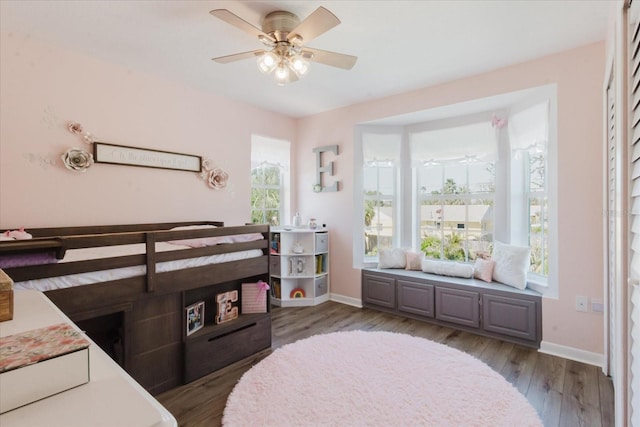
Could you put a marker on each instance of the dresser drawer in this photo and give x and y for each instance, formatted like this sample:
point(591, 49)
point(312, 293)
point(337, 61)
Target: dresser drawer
point(210, 353)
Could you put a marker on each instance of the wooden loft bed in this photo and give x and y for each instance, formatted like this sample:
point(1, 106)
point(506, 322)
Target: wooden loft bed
point(140, 319)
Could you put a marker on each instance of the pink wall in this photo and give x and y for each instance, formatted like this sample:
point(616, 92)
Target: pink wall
point(579, 76)
point(42, 87)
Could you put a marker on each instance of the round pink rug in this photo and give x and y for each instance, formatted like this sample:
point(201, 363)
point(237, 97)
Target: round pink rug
point(362, 378)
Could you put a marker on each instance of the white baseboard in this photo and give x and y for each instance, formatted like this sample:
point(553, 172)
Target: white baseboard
point(356, 302)
point(572, 353)
point(559, 350)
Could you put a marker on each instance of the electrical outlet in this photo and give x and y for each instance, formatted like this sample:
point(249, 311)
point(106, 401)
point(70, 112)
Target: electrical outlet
point(582, 304)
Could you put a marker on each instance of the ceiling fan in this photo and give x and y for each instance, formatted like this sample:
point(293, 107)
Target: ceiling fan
point(285, 38)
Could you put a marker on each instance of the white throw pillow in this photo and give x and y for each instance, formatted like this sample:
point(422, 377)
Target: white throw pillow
point(512, 264)
point(392, 258)
point(447, 268)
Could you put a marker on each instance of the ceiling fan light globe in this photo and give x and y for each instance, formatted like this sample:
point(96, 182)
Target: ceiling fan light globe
point(267, 62)
point(281, 74)
point(299, 65)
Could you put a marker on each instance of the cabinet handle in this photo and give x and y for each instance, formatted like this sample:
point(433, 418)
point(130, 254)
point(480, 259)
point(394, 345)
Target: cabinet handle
point(251, 325)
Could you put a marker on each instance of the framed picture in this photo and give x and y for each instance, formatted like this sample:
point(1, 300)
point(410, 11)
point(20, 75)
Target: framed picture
point(134, 156)
point(227, 306)
point(195, 317)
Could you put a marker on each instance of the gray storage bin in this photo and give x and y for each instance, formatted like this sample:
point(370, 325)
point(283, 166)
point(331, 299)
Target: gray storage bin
point(321, 286)
point(274, 265)
point(322, 242)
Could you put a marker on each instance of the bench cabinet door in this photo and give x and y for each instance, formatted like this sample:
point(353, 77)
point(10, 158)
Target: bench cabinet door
point(458, 306)
point(415, 298)
point(378, 290)
point(510, 316)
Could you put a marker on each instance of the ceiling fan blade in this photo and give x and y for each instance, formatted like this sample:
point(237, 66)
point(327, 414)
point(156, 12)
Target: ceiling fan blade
point(238, 56)
point(333, 59)
point(319, 22)
point(236, 21)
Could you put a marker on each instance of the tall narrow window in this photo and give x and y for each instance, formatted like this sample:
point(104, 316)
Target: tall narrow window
point(381, 154)
point(269, 180)
point(528, 138)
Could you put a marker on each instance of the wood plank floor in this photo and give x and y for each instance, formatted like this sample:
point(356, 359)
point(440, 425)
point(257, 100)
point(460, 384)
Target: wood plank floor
point(564, 392)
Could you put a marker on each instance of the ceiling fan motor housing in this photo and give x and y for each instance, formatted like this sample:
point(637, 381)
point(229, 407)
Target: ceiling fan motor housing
point(279, 24)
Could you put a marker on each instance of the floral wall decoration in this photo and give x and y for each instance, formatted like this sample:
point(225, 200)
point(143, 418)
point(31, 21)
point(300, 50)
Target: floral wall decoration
point(76, 159)
point(80, 160)
point(214, 176)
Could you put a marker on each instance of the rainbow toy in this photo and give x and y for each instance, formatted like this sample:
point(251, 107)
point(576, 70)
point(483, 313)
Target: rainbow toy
point(297, 293)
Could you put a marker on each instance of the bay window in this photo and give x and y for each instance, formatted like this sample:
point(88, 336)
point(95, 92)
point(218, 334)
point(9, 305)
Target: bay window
point(451, 186)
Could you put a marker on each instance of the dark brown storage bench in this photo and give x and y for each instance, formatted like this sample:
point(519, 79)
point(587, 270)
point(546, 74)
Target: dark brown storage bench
point(490, 309)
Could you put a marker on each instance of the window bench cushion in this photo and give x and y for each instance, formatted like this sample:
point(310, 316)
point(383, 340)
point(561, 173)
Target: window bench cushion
point(447, 268)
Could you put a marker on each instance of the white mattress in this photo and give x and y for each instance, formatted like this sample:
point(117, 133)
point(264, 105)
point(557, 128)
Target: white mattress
point(91, 277)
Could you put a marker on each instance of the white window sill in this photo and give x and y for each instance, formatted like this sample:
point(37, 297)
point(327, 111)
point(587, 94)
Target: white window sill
point(541, 284)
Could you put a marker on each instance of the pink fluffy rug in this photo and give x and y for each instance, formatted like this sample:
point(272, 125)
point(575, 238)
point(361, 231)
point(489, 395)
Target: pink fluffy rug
point(375, 379)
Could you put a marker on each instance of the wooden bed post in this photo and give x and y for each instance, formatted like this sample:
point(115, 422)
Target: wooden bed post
point(151, 261)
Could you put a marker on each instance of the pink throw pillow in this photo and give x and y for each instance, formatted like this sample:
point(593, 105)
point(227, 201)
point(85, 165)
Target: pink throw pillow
point(414, 261)
point(483, 269)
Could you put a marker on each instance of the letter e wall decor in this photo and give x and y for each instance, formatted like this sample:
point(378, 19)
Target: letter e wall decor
point(318, 187)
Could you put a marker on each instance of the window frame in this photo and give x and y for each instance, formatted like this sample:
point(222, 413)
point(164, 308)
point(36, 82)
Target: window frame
point(504, 222)
point(266, 187)
point(279, 155)
point(442, 199)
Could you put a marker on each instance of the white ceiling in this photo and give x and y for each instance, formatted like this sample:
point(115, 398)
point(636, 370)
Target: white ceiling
point(400, 45)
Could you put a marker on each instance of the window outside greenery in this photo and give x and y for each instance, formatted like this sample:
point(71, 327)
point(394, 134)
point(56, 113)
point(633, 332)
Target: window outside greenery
point(454, 200)
point(266, 194)
point(538, 212)
point(378, 207)
point(456, 210)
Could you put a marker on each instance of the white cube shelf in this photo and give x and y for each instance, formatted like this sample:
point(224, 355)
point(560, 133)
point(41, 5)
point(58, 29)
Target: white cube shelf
point(299, 266)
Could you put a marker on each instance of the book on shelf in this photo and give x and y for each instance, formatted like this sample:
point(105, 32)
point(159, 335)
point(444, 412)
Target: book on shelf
point(320, 263)
point(275, 243)
point(275, 288)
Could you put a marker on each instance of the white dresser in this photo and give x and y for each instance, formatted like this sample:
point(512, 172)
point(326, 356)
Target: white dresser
point(111, 397)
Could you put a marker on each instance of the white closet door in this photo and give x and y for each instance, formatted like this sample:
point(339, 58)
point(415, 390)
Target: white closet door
point(634, 217)
point(611, 240)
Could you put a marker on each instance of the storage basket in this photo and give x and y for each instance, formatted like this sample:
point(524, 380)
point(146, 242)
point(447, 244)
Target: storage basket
point(6, 297)
point(254, 297)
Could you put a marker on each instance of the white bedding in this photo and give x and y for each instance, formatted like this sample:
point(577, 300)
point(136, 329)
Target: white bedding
point(91, 277)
